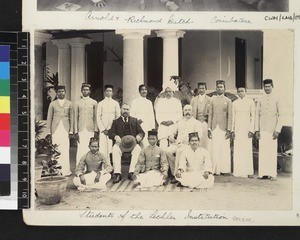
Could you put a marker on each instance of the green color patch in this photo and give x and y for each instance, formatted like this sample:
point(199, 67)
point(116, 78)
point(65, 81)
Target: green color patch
point(4, 88)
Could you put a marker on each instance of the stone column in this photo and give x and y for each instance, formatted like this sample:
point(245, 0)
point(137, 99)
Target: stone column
point(170, 55)
point(78, 69)
point(64, 64)
point(133, 62)
point(39, 39)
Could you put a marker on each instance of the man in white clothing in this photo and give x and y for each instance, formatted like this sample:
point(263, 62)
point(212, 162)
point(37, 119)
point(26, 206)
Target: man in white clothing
point(179, 139)
point(85, 124)
point(195, 167)
point(168, 112)
point(243, 116)
point(108, 110)
point(142, 109)
point(267, 127)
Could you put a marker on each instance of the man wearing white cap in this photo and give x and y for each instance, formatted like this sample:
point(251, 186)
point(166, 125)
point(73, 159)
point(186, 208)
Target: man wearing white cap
point(108, 109)
point(168, 112)
point(268, 126)
point(195, 168)
point(219, 130)
point(142, 109)
point(85, 124)
point(60, 120)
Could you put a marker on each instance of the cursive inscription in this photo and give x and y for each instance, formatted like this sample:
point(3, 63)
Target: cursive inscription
point(173, 20)
point(204, 216)
point(228, 19)
point(158, 215)
point(95, 215)
point(143, 19)
point(107, 17)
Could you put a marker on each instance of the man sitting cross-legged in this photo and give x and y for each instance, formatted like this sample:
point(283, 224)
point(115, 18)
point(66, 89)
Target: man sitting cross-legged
point(93, 170)
point(152, 166)
point(195, 167)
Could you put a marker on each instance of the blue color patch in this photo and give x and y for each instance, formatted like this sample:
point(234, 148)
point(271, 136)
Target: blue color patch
point(4, 71)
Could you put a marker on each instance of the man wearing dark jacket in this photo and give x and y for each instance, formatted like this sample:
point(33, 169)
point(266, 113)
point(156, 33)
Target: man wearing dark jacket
point(121, 127)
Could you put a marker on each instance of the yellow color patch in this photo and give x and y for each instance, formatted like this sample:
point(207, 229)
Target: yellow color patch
point(4, 104)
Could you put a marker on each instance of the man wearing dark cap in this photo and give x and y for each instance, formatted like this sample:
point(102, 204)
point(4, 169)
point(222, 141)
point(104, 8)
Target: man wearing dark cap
point(85, 124)
point(268, 126)
point(219, 129)
point(200, 106)
point(129, 128)
point(194, 170)
point(243, 118)
point(60, 120)
point(152, 166)
point(108, 109)
point(93, 170)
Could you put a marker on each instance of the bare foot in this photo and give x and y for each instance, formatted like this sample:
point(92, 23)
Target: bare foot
point(273, 179)
point(250, 176)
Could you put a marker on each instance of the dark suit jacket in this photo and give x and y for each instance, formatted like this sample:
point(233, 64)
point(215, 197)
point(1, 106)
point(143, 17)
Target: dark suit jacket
point(118, 128)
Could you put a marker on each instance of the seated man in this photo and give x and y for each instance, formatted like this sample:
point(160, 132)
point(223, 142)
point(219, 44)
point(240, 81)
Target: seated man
point(123, 126)
point(182, 129)
point(194, 170)
point(93, 170)
point(152, 166)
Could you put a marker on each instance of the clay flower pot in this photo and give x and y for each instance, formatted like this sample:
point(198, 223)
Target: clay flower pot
point(50, 190)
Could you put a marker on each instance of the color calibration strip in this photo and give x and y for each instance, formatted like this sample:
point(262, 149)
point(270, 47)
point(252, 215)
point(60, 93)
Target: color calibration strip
point(5, 126)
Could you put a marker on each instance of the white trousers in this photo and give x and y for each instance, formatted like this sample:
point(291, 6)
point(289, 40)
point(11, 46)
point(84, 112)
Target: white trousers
point(61, 137)
point(83, 145)
point(90, 178)
point(174, 161)
point(151, 178)
point(242, 155)
point(105, 145)
point(221, 162)
point(267, 157)
point(195, 179)
point(117, 155)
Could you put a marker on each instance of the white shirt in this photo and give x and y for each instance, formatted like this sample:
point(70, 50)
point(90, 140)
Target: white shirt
point(168, 110)
point(61, 102)
point(142, 108)
point(108, 110)
point(185, 126)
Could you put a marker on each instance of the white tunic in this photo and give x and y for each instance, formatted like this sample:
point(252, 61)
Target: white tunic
point(167, 110)
point(108, 110)
point(243, 113)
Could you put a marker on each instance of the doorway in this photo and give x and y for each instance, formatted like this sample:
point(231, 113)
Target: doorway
point(240, 62)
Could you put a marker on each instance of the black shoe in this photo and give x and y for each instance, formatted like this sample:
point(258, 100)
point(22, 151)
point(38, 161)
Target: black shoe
point(129, 176)
point(136, 184)
point(173, 180)
point(179, 184)
point(118, 178)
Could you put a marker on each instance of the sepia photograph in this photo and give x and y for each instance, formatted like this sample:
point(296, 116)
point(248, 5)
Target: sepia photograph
point(163, 119)
point(164, 5)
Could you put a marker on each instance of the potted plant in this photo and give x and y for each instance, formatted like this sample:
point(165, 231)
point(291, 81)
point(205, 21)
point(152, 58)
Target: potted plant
point(52, 185)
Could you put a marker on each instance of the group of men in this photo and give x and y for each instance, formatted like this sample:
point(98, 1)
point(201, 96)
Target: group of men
point(191, 143)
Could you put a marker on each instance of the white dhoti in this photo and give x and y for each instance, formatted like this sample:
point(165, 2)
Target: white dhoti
point(267, 157)
point(221, 162)
point(151, 178)
point(173, 161)
point(117, 155)
point(90, 178)
point(195, 179)
point(105, 145)
point(83, 145)
point(163, 133)
point(61, 138)
point(204, 141)
point(242, 155)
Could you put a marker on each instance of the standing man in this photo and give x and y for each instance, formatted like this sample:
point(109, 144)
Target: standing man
point(93, 170)
point(168, 112)
point(122, 127)
point(108, 110)
point(152, 166)
point(85, 124)
point(243, 118)
point(219, 129)
point(179, 139)
point(200, 106)
point(267, 127)
point(60, 119)
point(142, 109)
point(195, 167)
